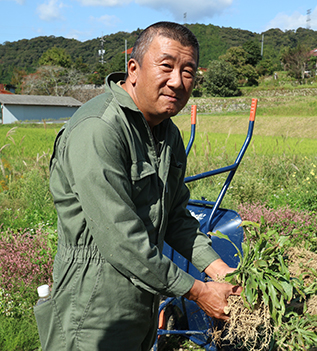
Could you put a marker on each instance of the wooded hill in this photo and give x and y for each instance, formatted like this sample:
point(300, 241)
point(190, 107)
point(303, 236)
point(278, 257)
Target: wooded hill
point(214, 41)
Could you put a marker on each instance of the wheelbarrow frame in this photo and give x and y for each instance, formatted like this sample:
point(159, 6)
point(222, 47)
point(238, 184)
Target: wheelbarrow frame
point(199, 323)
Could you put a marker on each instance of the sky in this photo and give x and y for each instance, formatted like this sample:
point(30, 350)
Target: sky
point(88, 19)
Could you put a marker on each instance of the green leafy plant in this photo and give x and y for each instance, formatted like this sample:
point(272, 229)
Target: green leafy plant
point(263, 272)
point(298, 333)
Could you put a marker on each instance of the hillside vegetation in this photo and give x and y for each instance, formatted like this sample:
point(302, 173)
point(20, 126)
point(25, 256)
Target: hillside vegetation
point(214, 41)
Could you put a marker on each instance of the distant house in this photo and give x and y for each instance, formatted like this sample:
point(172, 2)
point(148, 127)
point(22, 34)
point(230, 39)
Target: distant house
point(15, 108)
point(128, 51)
point(313, 52)
point(308, 73)
point(6, 89)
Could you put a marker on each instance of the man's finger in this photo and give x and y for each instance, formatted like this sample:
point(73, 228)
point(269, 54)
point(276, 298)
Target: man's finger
point(236, 290)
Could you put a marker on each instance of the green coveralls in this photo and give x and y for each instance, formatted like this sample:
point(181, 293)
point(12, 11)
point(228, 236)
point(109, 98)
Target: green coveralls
point(119, 193)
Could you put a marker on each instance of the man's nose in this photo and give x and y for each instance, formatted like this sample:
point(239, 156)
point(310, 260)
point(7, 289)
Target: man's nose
point(176, 80)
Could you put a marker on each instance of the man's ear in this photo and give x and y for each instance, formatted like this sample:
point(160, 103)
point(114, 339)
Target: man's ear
point(133, 70)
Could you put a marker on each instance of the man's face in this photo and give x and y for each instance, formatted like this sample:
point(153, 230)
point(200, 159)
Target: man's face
point(164, 82)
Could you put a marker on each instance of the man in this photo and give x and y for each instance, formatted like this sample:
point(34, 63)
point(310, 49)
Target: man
point(117, 176)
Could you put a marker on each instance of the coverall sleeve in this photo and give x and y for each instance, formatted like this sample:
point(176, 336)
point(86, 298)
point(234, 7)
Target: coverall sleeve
point(95, 159)
point(185, 237)
point(183, 232)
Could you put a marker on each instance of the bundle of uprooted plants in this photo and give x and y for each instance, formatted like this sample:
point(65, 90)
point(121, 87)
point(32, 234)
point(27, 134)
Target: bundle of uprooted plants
point(277, 308)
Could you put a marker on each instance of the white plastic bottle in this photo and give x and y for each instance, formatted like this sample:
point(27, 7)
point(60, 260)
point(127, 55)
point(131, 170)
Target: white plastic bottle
point(44, 294)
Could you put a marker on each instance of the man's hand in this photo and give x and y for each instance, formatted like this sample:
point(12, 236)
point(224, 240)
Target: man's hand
point(218, 269)
point(212, 297)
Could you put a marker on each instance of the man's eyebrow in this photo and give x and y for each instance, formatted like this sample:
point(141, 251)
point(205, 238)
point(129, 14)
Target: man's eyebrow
point(171, 57)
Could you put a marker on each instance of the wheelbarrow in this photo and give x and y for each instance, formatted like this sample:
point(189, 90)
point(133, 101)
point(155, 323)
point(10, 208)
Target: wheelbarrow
point(178, 315)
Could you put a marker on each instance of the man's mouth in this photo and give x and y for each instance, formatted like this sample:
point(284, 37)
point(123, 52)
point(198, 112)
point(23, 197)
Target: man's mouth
point(172, 98)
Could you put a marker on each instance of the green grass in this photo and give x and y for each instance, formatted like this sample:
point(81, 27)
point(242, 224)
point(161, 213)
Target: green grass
point(27, 140)
point(19, 334)
point(278, 169)
point(25, 200)
point(270, 164)
point(215, 144)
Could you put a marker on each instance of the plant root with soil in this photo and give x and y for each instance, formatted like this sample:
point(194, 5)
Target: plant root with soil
point(251, 330)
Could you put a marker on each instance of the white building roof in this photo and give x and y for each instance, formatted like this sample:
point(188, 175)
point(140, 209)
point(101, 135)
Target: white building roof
point(14, 99)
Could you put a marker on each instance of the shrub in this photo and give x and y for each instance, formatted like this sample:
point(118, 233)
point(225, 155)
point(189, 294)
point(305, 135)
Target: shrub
point(221, 80)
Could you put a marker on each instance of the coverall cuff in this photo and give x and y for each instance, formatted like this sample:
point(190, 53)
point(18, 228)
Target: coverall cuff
point(182, 285)
point(204, 257)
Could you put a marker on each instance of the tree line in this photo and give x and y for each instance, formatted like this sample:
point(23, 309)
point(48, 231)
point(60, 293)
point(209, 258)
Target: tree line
point(229, 57)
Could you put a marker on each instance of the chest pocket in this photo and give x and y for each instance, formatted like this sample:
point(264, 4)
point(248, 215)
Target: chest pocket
point(145, 192)
point(175, 176)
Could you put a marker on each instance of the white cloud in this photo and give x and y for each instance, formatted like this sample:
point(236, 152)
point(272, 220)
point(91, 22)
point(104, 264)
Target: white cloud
point(293, 21)
point(283, 21)
point(194, 10)
point(50, 11)
point(106, 20)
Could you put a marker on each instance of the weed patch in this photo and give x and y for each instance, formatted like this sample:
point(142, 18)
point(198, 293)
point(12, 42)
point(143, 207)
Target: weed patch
point(276, 181)
point(264, 314)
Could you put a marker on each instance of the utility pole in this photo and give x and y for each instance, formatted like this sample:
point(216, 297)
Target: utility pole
point(125, 55)
point(308, 19)
point(262, 45)
point(101, 52)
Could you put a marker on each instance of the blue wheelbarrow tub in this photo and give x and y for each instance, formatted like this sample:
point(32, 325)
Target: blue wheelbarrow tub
point(227, 222)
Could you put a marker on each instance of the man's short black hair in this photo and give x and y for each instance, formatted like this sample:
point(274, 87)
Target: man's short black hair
point(169, 30)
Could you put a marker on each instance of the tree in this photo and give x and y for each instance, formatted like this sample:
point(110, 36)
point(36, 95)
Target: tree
point(267, 67)
point(56, 57)
point(221, 79)
point(79, 65)
point(295, 60)
point(248, 75)
point(17, 78)
point(51, 80)
point(101, 71)
point(236, 55)
point(253, 50)
point(116, 64)
point(238, 58)
point(312, 65)
point(98, 76)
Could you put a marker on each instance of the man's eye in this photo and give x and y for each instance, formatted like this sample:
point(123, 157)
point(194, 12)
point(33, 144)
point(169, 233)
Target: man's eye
point(166, 65)
point(189, 73)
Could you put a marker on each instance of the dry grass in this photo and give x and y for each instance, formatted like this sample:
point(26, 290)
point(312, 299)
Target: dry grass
point(303, 262)
point(299, 127)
